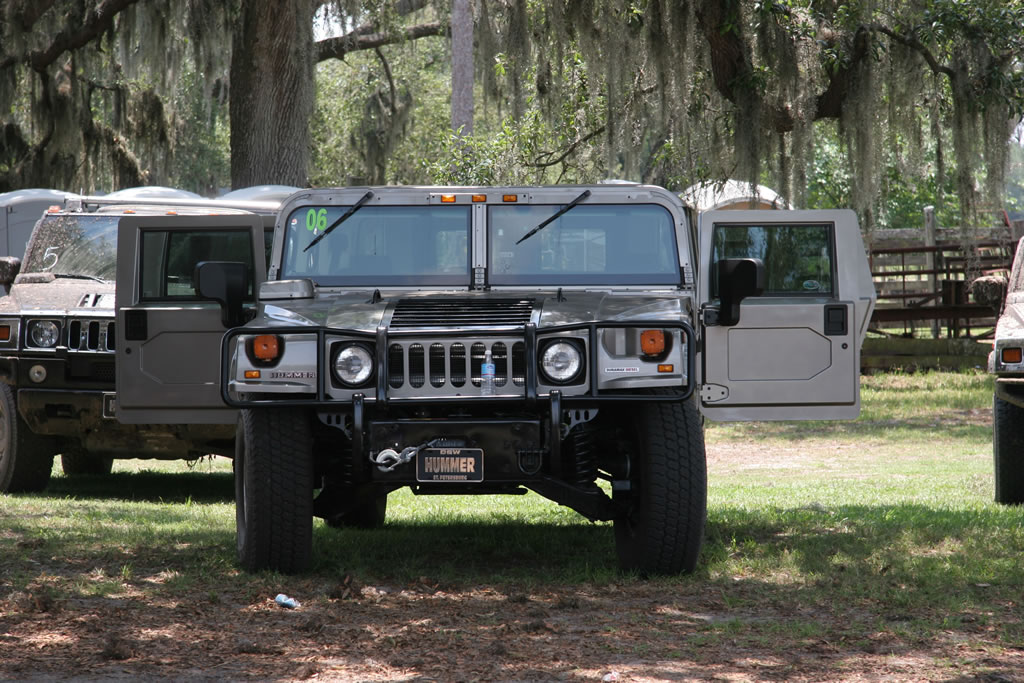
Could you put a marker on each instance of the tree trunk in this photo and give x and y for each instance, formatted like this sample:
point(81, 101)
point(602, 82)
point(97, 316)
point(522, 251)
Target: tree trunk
point(272, 93)
point(462, 66)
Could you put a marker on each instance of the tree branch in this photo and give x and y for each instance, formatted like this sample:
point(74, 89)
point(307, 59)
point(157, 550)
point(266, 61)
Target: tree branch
point(392, 106)
point(913, 43)
point(71, 38)
point(29, 12)
point(537, 163)
point(339, 46)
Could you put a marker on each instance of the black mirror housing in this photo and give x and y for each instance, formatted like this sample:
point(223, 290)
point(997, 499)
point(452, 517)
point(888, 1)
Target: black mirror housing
point(738, 278)
point(226, 282)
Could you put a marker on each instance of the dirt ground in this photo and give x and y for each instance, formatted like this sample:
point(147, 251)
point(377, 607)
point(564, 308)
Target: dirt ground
point(638, 631)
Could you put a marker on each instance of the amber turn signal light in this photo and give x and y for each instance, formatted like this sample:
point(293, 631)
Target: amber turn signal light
point(265, 347)
point(5, 333)
point(252, 374)
point(652, 342)
point(1012, 354)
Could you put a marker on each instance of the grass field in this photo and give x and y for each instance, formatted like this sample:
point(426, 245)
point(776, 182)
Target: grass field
point(850, 550)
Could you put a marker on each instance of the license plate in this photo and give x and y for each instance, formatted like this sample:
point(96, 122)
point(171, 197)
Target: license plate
point(450, 465)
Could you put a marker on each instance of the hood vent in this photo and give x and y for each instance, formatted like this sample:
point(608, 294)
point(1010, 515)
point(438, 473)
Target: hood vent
point(90, 300)
point(461, 312)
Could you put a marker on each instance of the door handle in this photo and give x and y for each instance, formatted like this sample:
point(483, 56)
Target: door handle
point(836, 323)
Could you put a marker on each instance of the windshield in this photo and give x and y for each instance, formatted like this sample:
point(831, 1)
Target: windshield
point(594, 244)
point(78, 245)
point(379, 246)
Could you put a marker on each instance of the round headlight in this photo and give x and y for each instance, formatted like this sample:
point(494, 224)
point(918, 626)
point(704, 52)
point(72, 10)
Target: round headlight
point(561, 362)
point(44, 333)
point(353, 364)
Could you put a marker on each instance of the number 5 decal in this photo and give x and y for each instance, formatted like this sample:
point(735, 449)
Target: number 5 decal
point(51, 252)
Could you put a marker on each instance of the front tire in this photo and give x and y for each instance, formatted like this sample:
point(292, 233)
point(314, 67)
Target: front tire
point(1008, 451)
point(25, 459)
point(662, 529)
point(274, 490)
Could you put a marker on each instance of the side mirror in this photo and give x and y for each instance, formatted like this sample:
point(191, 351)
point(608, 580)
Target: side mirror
point(226, 282)
point(738, 278)
point(10, 266)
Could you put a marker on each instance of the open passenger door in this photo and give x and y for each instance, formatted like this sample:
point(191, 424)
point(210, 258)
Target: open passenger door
point(789, 296)
point(168, 336)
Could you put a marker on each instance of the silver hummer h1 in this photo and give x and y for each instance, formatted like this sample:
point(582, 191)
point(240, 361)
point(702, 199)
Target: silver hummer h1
point(57, 362)
point(489, 340)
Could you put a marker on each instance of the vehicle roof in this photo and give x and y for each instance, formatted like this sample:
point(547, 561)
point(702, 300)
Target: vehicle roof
point(34, 195)
point(261, 192)
point(152, 192)
point(156, 205)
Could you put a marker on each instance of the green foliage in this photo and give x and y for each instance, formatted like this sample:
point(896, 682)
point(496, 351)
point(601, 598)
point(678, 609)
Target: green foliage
point(352, 114)
point(490, 159)
point(202, 156)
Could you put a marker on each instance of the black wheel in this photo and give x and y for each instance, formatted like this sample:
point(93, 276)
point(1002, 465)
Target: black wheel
point(368, 515)
point(274, 490)
point(1008, 449)
point(25, 459)
point(663, 529)
point(78, 462)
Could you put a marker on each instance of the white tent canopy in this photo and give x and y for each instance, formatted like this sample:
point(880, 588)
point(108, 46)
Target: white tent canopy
point(732, 194)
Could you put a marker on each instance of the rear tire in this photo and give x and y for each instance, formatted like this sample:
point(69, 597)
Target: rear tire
point(83, 463)
point(274, 490)
point(1008, 451)
point(662, 530)
point(26, 460)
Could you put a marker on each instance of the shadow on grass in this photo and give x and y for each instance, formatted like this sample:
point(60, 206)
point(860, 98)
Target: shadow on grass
point(907, 554)
point(471, 552)
point(155, 487)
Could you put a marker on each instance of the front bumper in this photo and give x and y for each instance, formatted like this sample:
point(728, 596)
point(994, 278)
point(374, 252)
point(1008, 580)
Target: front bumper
point(322, 391)
point(1011, 390)
point(87, 418)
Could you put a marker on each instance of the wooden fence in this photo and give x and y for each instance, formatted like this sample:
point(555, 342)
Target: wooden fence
point(923, 279)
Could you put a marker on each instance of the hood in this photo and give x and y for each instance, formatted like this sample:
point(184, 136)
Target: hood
point(365, 311)
point(59, 296)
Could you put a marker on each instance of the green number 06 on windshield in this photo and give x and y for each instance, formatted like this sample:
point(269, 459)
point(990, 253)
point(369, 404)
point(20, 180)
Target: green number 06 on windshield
point(316, 220)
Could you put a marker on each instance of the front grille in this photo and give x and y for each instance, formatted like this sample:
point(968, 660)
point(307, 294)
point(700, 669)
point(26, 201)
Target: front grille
point(461, 312)
point(91, 335)
point(443, 367)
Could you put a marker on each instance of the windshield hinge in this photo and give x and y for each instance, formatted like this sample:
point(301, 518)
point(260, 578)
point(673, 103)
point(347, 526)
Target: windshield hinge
point(712, 393)
point(479, 278)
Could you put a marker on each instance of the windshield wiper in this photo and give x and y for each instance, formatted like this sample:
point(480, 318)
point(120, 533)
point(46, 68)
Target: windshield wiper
point(77, 276)
point(557, 214)
point(344, 217)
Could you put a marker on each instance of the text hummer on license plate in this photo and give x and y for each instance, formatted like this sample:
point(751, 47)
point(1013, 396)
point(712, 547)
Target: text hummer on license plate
point(488, 340)
point(450, 465)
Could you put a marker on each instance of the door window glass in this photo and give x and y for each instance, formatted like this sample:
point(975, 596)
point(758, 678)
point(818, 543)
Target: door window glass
point(169, 259)
point(798, 259)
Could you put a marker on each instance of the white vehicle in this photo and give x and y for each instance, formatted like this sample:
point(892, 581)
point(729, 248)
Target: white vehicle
point(490, 340)
point(1007, 363)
